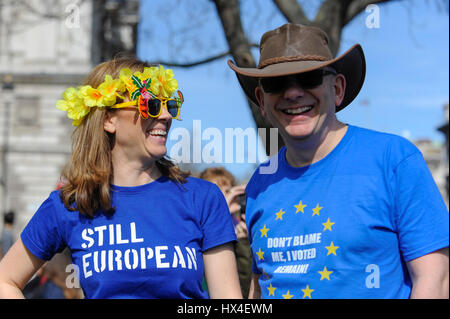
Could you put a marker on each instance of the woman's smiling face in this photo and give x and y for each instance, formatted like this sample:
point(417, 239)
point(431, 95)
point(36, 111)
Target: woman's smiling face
point(139, 139)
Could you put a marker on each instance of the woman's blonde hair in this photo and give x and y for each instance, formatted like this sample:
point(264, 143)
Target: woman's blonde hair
point(89, 171)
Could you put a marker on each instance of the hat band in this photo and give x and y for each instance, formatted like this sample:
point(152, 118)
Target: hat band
point(308, 57)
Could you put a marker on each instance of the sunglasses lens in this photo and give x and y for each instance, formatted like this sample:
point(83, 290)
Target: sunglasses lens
point(172, 107)
point(273, 85)
point(308, 80)
point(154, 106)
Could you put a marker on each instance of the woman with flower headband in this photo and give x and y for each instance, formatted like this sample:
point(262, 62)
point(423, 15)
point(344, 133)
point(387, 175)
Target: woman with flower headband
point(137, 226)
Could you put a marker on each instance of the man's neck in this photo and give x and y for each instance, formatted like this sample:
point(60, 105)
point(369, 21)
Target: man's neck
point(312, 150)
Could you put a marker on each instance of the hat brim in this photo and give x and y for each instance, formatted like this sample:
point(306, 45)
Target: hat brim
point(351, 64)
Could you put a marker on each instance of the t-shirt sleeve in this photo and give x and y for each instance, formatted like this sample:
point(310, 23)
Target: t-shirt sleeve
point(42, 234)
point(216, 221)
point(422, 218)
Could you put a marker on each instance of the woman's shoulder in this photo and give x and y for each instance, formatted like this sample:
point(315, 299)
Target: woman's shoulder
point(196, 183)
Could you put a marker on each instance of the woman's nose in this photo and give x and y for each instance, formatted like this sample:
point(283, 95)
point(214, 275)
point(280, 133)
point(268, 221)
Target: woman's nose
point(165, 115)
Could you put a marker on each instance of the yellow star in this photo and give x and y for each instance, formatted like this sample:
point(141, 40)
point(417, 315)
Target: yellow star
point(327, 225)
point(280, 214)
point(264, 231)
point(260, 254)
point(331, 249)
point(307, 292)
point(287, 295)
point(325, 273)
point(271, 290)
point(300, 207)
point(316, 210)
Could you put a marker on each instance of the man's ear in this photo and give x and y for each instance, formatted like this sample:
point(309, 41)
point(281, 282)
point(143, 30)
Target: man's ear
point(259, 94)
point(109, 124)
point(339, 89)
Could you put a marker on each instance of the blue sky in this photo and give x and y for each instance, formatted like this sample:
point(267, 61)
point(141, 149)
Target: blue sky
point(407, 80)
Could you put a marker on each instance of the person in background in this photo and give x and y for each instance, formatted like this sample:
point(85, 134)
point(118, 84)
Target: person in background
point(56, 279)
point(235, 197)
point(7, 239)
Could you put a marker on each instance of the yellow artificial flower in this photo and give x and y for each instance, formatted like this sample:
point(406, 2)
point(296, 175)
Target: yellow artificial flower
point(92, 97)
point(148, 73)
point(109, 88)
point(125, 77)
point(74, 105)
point(163, 82)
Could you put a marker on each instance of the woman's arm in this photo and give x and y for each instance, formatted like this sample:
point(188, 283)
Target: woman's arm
point(16, 269)
point(221, 272)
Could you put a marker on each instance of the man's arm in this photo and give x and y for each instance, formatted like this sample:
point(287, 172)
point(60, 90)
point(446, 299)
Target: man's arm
point(430, 275)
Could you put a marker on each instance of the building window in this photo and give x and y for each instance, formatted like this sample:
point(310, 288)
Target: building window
point(26, 112)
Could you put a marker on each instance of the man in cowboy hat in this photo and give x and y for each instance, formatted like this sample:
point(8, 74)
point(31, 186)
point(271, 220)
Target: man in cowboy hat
point(349, 212)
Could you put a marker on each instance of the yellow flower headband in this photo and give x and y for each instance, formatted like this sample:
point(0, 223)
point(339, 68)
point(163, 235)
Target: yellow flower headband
point(153, 83)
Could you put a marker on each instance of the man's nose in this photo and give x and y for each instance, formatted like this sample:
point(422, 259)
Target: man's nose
point(293, 91)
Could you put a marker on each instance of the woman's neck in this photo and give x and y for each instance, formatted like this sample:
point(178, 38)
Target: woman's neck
point(134, 173)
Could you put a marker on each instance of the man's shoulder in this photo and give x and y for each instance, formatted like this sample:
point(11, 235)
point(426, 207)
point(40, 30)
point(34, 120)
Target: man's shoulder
point(267, 172)
point(373, 139)
point(374, 134)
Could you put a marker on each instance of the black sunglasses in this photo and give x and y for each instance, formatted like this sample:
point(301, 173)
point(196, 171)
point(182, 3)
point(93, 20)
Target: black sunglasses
point(307, 80)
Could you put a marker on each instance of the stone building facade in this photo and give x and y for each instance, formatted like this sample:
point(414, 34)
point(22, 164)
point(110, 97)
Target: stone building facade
point(44, 48)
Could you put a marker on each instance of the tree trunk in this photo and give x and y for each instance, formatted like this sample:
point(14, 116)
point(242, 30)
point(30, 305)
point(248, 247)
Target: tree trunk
point(228, 11)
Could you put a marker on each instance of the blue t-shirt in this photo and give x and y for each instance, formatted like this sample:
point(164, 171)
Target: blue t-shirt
point(151, 247)
point(345, 226)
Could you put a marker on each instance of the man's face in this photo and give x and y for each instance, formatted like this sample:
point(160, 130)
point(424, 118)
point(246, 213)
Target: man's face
point(301, 111)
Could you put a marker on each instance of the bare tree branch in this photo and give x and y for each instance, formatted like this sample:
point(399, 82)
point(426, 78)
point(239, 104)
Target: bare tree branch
point(197, 63)
point(292, 11)
point(333, 15)
point(228, 11)
point(330, 18)
point(191, 64)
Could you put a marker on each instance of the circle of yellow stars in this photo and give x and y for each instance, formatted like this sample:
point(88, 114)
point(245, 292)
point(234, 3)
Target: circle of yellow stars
point(331, 249)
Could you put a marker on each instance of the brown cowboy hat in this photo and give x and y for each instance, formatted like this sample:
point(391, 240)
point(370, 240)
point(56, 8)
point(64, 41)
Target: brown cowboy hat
point(292, 49)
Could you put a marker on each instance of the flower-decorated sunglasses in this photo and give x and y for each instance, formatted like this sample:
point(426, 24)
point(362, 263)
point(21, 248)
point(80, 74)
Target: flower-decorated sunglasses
point(152, 107)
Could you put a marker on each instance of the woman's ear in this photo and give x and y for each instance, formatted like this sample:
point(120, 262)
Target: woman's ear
point(109, 124)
